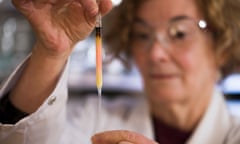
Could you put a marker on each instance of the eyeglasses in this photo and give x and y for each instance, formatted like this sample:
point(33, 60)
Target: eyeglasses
point(179, 34)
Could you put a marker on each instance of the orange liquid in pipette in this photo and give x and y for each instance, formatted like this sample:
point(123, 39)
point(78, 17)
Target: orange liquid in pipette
point(98, 58)
point(99, 79)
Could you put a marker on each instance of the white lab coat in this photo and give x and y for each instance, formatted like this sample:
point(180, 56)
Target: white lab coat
point(56, 122)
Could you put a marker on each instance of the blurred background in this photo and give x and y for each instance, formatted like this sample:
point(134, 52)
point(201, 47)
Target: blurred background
point(17, 38)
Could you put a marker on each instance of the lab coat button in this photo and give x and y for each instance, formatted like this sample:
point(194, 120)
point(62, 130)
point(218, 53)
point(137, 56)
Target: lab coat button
point(51, 100)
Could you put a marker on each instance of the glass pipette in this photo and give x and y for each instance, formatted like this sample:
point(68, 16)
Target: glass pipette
point(99, 54)
point(99, 78)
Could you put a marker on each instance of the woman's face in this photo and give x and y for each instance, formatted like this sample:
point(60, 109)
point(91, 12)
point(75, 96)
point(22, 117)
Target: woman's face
point(173, 71)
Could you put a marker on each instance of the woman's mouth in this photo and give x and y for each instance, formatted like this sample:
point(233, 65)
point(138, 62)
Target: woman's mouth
point(162, 76)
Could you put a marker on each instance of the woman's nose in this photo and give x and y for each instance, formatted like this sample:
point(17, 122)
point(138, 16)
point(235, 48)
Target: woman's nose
point(158, 50)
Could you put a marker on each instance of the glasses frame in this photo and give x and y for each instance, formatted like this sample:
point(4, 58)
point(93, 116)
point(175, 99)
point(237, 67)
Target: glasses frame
point(163, 37)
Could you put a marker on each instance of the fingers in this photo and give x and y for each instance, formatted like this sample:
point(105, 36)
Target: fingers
point(92, 7)
point(21, 4)
point(27, 6)
point(113, 137)
point(105, 6)
point(45, 1)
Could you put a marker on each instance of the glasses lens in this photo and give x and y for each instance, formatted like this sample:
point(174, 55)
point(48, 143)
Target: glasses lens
point(179, 34)
point(143, 38)
point(182, 33)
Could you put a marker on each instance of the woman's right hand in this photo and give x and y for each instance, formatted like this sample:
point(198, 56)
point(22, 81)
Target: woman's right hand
point(59, 24)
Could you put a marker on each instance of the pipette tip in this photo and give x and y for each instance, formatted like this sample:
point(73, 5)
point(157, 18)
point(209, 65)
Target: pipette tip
point(99, 91)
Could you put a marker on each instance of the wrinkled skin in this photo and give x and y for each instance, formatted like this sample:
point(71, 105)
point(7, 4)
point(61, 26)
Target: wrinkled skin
point(59, 24)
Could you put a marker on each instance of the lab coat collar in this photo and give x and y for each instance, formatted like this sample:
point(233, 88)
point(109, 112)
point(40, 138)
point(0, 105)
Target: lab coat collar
point(212, 129)
point(215, 124)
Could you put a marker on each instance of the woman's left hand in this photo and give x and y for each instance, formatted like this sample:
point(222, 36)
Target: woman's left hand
point(120, 137)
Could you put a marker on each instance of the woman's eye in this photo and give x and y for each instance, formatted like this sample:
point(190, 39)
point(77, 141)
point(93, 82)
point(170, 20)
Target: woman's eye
point(179, 35)
point(176, 33)
point(141, 36)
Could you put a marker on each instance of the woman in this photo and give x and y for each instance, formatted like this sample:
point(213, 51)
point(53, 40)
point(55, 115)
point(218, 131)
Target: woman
point(179, 48)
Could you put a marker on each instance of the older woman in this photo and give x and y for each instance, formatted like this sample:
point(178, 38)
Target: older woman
point(179, 47)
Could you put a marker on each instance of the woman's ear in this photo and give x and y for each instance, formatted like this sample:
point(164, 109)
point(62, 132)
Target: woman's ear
point(221, 59)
